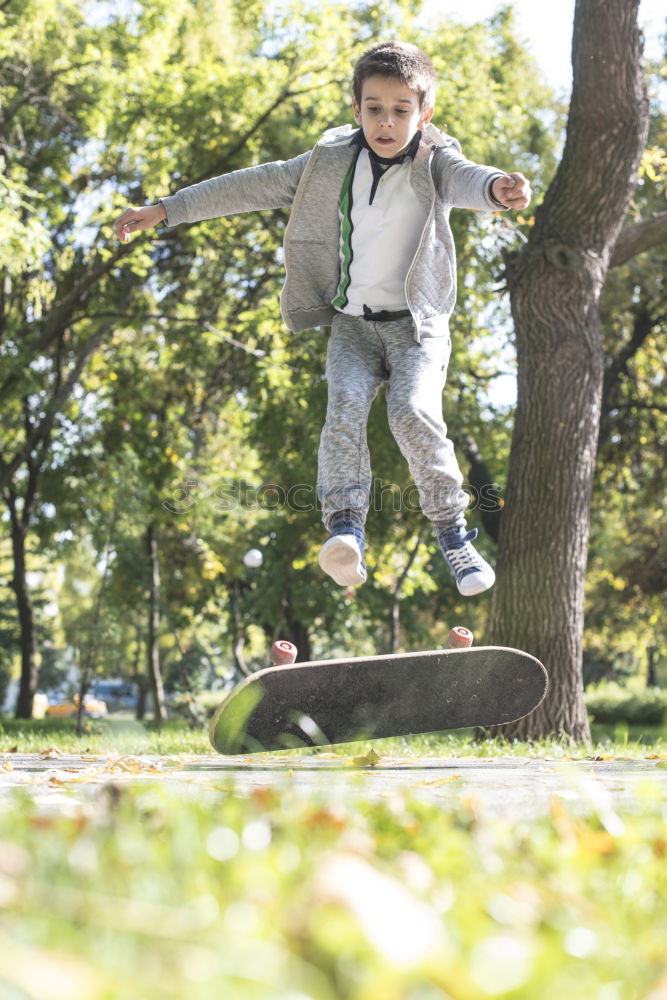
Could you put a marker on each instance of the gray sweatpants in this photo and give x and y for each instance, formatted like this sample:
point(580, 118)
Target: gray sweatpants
point(363, 354)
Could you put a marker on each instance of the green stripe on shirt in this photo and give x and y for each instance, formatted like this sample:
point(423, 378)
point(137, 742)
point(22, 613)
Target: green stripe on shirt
point(345, 209)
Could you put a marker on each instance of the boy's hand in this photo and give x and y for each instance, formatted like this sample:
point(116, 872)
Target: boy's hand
point(134, 219)
point(512, 191)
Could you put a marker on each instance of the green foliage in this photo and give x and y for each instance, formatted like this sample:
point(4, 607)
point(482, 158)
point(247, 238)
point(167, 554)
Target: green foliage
point(190, 389)
point(116, 734)
point(611, 702)
point(252, 419)
point(627, 577)
point(107, 735)
point(278, 894)
point(23, 240)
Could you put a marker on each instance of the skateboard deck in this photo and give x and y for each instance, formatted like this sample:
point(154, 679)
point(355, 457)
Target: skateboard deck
point(340, 701)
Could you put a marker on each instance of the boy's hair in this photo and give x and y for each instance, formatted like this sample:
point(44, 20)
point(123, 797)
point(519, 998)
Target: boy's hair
point(401, 60)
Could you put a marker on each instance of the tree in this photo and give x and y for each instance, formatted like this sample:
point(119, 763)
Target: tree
point(168, 355)
point(555, 284)
point(51, 104)
point(66, 111)
point(627, 577)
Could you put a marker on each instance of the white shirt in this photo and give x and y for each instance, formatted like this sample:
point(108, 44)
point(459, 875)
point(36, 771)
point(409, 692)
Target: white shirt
point(384, 237)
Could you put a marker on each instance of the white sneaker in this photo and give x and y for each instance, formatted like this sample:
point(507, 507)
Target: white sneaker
point(472, 573)
point(342, 556)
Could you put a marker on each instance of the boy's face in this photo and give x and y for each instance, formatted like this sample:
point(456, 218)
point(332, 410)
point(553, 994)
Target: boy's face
point(389, 114)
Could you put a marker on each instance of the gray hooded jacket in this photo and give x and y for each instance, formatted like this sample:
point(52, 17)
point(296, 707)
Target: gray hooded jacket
point(310, 184)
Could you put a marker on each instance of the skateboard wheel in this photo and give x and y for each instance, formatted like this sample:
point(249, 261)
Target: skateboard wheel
point(460, 637)
point(283, 652)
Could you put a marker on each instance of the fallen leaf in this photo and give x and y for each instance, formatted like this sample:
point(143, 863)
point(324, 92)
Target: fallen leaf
point(264, 797)
point(564, 823)
point(131, 765)
point(325, 817)
point(439, 781)
point(6, 766)
point(51, 753)
point(43, 822)
point(596, 841)
point(172, 765)
point(660, 847)
point(370, 759)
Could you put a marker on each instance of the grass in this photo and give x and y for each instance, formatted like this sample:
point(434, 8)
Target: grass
point(125, 735)
point(130, 892)
point(138, 892)
point(115, 734)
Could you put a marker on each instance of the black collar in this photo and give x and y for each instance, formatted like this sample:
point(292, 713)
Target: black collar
point(359, 139)
point(380, 164)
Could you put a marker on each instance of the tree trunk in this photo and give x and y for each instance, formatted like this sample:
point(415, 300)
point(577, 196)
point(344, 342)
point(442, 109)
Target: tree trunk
point(395, 607)
point(485, 491)
point(238, 630)
point(555, 283)
point(19, 583)
point(154, 672)
point(297, 632)
point(139, 677)
point(291, 628)
point(91, 652)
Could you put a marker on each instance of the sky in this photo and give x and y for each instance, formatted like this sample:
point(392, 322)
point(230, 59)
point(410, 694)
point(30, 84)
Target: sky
point(546, 26)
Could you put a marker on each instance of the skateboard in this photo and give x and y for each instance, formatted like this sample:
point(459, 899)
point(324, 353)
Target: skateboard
point(325, 702)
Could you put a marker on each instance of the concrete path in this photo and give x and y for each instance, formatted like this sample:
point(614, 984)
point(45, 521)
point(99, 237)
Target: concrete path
point(521, 787)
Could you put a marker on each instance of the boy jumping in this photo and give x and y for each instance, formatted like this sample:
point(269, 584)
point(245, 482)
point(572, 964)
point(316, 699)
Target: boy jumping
point(369, 252)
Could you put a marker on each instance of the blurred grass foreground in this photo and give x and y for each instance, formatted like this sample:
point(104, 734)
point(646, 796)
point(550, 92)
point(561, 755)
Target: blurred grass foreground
point(134, 892)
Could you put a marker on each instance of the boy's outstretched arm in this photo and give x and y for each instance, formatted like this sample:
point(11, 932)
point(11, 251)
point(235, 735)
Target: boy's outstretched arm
point(134, 219)
point(266, 186)
point(465, 184)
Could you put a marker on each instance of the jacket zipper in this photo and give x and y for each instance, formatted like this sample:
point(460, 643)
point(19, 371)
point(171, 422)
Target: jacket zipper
point(421, 242)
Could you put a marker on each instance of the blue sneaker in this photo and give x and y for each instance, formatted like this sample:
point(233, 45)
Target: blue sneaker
point(342, 555)
point(472, 573)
